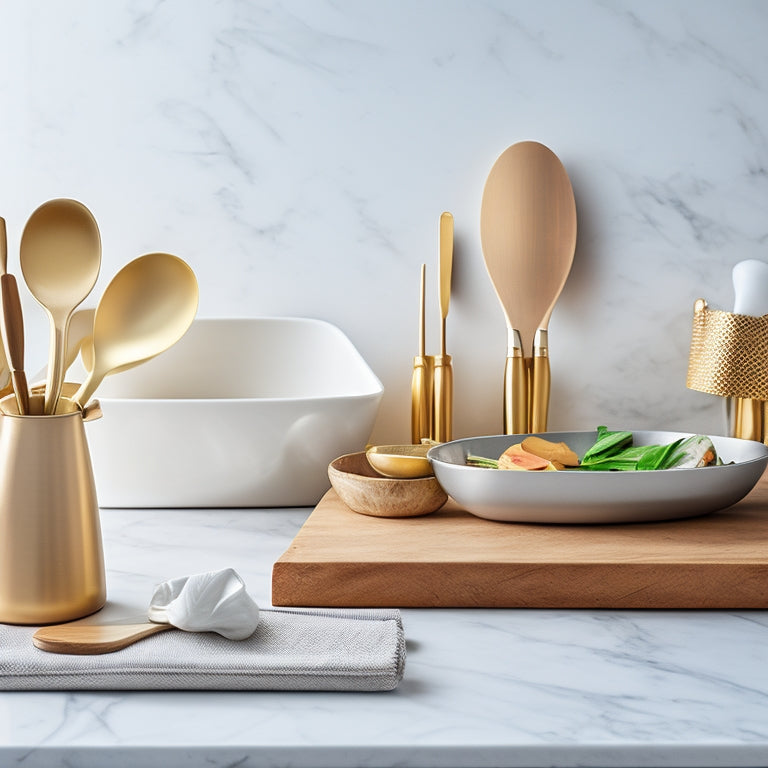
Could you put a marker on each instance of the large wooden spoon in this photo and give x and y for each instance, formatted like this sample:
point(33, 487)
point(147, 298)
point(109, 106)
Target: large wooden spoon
point(146, 308)
point(60, 259)
point(528, 234)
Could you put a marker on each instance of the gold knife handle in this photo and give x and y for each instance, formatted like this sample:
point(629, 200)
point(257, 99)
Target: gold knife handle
point(540, 383)
point(442, 419)
point(515, 396)
point(421, 398)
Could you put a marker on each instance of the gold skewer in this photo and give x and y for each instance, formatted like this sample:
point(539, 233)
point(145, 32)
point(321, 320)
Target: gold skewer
point(421, 382)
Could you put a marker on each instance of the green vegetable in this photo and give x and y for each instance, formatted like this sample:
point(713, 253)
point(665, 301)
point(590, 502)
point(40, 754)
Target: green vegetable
point(607, 444)
point(481, 461)
point(614, 451)
point(657, 456)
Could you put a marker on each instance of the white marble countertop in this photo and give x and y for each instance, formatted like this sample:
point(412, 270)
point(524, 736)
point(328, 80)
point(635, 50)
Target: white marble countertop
point(481, 687)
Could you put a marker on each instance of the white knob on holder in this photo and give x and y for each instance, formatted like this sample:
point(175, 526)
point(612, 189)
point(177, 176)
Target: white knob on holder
point(750, 287)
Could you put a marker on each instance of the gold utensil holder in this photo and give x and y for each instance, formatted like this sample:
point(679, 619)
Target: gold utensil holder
point(51, 556)
point(729, 358)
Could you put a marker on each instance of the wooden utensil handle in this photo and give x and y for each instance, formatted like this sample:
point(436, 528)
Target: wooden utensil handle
point(21, 388)
point(13, 338)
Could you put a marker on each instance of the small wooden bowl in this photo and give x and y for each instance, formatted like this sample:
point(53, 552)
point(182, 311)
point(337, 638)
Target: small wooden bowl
point(367, 492)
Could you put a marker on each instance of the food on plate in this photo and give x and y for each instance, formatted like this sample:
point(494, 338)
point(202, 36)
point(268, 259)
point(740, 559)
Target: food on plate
point(557, 453)
point(611, 451)
point(517, 458)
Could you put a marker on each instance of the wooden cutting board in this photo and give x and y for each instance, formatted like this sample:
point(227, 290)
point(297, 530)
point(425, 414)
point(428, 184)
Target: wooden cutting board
point(453, 559)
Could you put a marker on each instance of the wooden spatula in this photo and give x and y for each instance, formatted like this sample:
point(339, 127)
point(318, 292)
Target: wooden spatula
point(528, 234)
point(85, 639)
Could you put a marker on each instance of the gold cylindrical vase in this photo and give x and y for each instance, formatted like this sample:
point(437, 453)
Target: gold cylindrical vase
point(51, 555)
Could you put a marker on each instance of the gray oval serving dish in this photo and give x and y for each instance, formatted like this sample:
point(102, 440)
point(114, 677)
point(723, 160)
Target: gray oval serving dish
point(581, 497)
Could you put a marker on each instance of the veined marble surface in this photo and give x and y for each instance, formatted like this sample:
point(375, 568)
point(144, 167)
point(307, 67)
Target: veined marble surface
point(298, 154)
point(481, 687)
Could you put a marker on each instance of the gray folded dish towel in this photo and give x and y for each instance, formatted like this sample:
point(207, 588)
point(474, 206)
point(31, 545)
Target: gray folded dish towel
point(291, 650)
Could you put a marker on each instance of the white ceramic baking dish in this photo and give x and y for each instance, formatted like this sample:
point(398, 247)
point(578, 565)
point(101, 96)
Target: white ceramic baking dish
point(239, 413)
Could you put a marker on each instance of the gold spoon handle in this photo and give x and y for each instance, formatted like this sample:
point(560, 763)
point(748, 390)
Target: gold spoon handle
point(515, 397)
point(515, 387)
point(85, 639)
point(55, 366)
point(421, 397)
point(88, 387)
point(442, 414)
point(540, 384)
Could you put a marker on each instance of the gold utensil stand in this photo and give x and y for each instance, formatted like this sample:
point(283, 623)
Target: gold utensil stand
point(52, 569)
point(729, 358)
point(51, 559)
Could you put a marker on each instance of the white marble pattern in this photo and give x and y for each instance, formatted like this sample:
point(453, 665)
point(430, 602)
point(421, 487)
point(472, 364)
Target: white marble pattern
point(481, 687)
point(298, 154)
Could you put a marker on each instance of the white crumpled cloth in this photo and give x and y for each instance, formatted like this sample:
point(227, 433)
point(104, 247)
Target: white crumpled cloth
point(215, 601)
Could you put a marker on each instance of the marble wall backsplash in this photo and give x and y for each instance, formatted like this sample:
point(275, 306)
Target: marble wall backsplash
point(298, 155)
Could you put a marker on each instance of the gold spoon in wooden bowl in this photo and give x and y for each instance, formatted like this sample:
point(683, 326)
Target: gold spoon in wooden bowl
point(401, 461)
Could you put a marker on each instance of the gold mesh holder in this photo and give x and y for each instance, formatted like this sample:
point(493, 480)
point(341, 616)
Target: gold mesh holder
point(729, 353)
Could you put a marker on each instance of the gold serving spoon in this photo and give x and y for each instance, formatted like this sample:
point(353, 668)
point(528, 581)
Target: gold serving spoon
point(146, 308)
point(60, 258)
